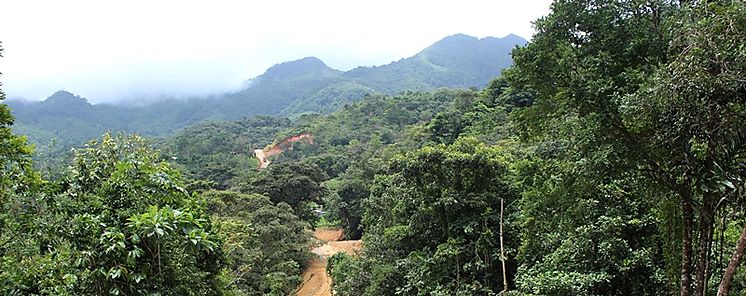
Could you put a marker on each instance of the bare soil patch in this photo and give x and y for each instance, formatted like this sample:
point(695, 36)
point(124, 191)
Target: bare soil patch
point(315, 280)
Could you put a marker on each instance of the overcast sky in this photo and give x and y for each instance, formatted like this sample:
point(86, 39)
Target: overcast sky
point(106, 50)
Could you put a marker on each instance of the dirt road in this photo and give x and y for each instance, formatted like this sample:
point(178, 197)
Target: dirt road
point(262, 157)
point(315, 280)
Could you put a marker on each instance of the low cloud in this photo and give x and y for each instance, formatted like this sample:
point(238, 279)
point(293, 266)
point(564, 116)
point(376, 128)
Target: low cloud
point(138, 51)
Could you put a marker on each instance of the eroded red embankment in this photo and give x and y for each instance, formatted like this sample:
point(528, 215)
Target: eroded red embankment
point(286, 144)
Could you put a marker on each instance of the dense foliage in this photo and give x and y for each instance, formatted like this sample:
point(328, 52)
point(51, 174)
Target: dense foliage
point(432, 225)
point(608, 160)
point(295, 184)
point(265, 243)
point(220, 151)
point(349, 146)
point(122, 222)
point(648, 99)
point(119, 222)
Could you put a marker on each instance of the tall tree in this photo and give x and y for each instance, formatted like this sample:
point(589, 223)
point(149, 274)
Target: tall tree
point(435, 214)
point(660, 84)
point(297, 184)
point(15, 159)
point(19, 198)
point(266, 245)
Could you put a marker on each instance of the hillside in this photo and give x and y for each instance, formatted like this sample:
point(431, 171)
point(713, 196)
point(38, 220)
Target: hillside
point(290, 89)
point(457, 61)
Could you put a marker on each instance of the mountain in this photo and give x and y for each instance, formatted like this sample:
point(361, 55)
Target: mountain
point(65, 117)
point(290, 88)
point(280, 86)
point(304, 67)
point(455, 61)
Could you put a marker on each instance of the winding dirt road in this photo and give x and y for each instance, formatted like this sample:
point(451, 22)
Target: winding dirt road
point(315, 280)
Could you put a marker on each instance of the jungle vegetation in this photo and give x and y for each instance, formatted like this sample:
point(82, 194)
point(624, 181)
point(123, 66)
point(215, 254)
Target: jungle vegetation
point(609, 159)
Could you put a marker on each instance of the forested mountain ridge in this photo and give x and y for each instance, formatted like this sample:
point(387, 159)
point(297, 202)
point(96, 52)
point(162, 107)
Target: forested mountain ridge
point(288, 88)
point(457, 61)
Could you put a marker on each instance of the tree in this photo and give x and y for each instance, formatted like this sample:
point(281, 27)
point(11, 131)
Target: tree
point(20, 189)
point(433, 220)
point(119, 223)
point(266, 245)
point(345, 203)
point(658, 86)
point(16, 175)
point(695, 106)
point(588, 223)
point(294, 183)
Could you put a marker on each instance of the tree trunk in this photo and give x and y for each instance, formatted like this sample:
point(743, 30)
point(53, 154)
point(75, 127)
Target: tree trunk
point(705, 228)
point(721, 243)
point(458, 273)
point(686, 249)
point(710, 250)
point(735, 260)
point(502, 251)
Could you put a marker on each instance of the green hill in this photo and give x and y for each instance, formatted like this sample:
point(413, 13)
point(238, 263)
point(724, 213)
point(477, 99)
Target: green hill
point(289, 89)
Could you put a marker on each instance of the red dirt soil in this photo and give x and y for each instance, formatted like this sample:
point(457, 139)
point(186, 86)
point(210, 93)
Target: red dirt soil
point(328, 234)
point(287, 144)
point(315, 280)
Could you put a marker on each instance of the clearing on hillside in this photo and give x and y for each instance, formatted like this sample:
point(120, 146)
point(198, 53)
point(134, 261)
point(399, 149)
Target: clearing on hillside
point(315, 280)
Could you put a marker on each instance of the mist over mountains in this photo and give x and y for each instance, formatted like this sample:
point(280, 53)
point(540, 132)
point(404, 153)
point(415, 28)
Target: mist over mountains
point(289, 88)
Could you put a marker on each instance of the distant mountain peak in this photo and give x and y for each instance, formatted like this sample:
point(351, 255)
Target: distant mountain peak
point(455, 39)
point(460, 36)
point(307, 65)
point(62, 93)
point(515, 38)
point(458, 41)
point(66, 97)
